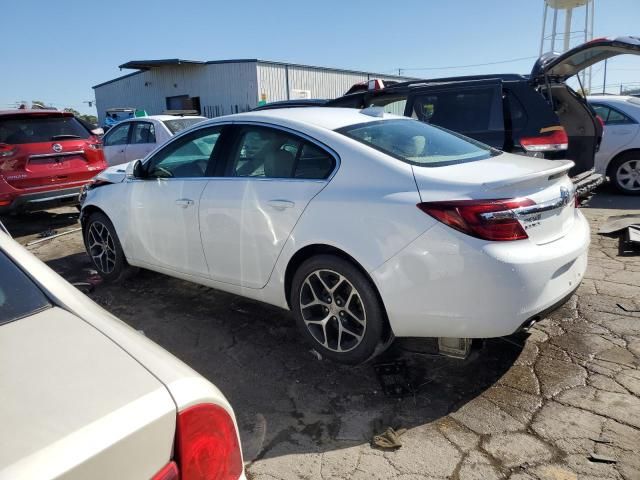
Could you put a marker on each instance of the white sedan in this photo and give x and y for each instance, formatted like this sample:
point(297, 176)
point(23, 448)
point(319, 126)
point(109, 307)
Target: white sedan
point(619, 154)
point(84, 396)
point(366, 225)
point(134, 138)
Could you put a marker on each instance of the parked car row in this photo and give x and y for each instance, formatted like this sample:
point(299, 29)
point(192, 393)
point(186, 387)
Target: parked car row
point(536, 115)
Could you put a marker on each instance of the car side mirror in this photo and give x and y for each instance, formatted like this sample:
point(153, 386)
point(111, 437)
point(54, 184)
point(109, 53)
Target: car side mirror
point(136, 169)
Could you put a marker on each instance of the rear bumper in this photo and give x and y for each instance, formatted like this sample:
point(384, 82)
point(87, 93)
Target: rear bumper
point(447, 284)
point(586, 182)
point(42, 200)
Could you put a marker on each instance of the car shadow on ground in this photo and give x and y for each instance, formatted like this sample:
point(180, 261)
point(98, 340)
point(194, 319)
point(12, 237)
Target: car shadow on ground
point(607, 197)
point(287, 400)
point(32, 223)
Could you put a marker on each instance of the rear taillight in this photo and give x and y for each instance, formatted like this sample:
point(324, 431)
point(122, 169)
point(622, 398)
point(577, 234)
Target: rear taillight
point(7, 150)
point(551, 139)
point(169, 472)
point(207, 444)
point(599, 118)
point(472, 217)
point(94, 143)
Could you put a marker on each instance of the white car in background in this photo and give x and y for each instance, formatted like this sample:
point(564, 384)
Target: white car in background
point(84, 396)
point(134, 138)
point(366, 225)
point(619, 154)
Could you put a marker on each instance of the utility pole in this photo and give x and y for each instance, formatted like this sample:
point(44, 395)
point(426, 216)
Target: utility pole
point(604, 84)
point(399, 72)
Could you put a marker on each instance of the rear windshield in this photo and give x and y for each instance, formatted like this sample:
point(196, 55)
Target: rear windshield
point(179, 124)
point(35, 129)
point(417, 143)
point(19, 296)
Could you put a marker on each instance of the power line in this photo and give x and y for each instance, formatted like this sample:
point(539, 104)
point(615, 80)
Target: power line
point(473, 65)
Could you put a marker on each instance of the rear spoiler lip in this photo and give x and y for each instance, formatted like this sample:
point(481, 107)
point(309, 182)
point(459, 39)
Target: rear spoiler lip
point(563, 167)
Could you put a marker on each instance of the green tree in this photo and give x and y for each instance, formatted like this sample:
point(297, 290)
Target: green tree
point(92, 119)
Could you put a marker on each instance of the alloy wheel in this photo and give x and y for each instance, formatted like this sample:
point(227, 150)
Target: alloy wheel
point(101, 247)
point(628, 175)
point(333, 310)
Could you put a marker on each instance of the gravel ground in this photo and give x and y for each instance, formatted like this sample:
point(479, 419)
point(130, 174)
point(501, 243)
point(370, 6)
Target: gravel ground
point(561, 402)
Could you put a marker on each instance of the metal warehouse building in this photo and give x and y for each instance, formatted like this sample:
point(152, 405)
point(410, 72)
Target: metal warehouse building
point(221, 87)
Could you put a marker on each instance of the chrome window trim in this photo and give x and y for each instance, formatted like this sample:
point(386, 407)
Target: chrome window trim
point(302, 135)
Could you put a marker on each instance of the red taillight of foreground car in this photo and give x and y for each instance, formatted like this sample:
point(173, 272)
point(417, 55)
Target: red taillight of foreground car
point(551, 139)
point(207, 444)
point(466, 217)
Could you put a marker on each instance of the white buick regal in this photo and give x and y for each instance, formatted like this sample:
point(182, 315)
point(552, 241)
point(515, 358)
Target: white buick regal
point(84, 396)
point(366, 225)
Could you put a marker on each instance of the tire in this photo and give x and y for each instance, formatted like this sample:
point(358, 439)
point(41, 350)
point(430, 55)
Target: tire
point(345, 333)
point(626, 166)
point(104, 249)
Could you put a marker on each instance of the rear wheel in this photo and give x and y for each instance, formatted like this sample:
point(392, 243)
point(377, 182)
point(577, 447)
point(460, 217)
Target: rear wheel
point(337, 309)
point(103, 246)
point(624, 172)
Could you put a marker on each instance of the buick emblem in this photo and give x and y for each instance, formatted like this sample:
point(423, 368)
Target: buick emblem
point(56, 147)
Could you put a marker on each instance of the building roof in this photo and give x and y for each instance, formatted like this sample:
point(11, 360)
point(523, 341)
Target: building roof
point(143, 65)
point(146, 64)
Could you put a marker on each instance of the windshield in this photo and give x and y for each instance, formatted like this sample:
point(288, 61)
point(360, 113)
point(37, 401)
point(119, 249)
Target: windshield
point(36, 128)
point(180, 124)
point(418, 143)
point(19, 296)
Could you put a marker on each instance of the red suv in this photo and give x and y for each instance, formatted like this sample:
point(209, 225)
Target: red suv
point(45, 158)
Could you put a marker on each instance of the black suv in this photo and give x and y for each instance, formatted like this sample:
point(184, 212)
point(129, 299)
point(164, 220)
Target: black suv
point(537, 114)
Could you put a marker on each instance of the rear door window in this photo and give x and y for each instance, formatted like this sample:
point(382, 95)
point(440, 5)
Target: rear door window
point(265, 152)
point(19, 296)
point(143, 132)
point(40, 128)
point(272, 153)
point(473, 111)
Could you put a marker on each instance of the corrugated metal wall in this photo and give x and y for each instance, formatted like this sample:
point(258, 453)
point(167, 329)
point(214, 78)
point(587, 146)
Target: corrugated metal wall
point(229, 88)
point(224, 88)
point(148, 89)
point(320, 82)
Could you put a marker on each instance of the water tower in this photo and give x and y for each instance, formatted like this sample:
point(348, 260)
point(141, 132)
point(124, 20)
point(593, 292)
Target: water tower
point(559, 41)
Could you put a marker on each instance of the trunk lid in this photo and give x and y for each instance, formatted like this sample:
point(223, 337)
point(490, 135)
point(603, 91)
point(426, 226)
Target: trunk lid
point(565, 65)
point(508, 176)
point(79, 406)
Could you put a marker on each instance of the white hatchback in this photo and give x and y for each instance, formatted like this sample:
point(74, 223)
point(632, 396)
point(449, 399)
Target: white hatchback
point(366, 225)
point(84, 396)
point(134, 138)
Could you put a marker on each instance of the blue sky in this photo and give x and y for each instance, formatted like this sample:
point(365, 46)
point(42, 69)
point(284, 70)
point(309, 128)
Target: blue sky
point(56, 50)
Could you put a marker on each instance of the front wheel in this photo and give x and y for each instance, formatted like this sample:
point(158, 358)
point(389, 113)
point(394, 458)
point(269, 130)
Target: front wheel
point(337, 309)
point(624, 173)
point(103, 246)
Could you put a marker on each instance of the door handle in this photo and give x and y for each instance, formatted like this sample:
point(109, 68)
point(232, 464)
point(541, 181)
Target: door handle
point(281, 204)
point(184, 202)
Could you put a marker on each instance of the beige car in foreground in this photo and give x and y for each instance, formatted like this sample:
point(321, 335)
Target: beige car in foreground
point(84, 396)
